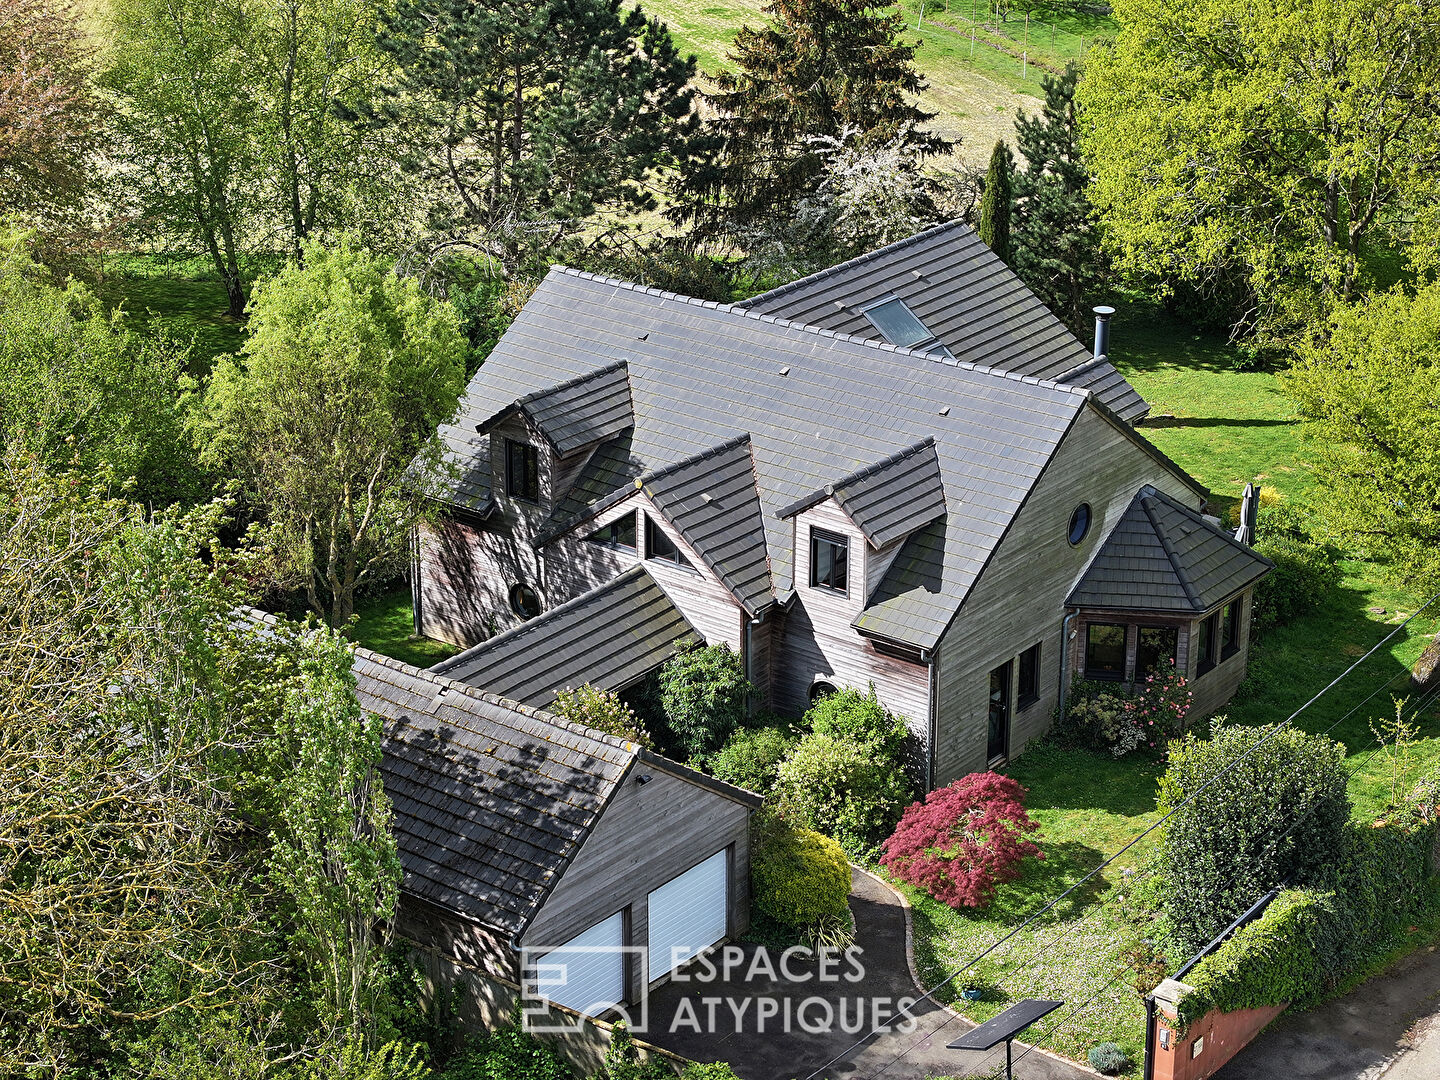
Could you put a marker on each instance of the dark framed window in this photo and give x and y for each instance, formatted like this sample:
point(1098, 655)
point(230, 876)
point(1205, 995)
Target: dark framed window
point(620, 533)
point(1206, 641)
point(821, 689)
point(1029, 691)
point(524, 600)
point(1105, 651)
point(660, 546)
point(522, 471)
point(1079, 523)
point(997, 743)
point(829, 561)
point(1154, 648)
point(1230, 628)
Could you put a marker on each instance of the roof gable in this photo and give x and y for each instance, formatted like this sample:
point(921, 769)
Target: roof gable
point(579, 412)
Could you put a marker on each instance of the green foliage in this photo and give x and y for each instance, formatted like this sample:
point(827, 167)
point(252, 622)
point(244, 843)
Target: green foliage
point(996, 203)
point(848, 714)
point(508, 1053)
point(348, 370)
point(846, 789)
point(1108, 716)
point(703, 693)
point(751, 756)
point(1108, 1058)
point(79, 390)
point(622, 1059)
point(1367, 393)
point(602, 710)
point(1278, 815)
point(703, 1070)
point(798, 877)
point(1304, 572)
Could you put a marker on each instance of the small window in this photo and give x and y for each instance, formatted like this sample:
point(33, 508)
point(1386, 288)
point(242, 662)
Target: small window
point(898, 324)
point(522, 471)
point(1205, 643)
point(1030, 675)
point(1230, 628)
point(829, 561)
point(1154, 649)
point(620, 534)
point(659, 546)
point(524, 600)
point(1105, 651)
point(1079, 523)
point(821, 689)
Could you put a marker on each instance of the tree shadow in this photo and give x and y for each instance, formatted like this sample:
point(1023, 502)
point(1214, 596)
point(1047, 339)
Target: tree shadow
point(1210, 422)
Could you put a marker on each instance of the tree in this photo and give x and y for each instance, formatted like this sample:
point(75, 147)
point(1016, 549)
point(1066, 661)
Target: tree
point(346, 374)
point(821, 69)
point(1277, 815)
point(703, 693)
point(602, 710)
point(964, 840)
point(1055, 242)
point(1368, 392)
point(1285, 144)
point(535, 115)
point(996, 203)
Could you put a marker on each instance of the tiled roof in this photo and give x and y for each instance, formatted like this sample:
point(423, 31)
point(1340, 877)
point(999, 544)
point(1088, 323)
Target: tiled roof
point(1164, 557)
point(579, 412)
point(609, 637)
point(967, 297)
point(891, 498)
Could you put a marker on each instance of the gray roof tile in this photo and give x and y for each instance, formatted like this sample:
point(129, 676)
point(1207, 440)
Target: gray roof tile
point(891, 498)
point(579, 412)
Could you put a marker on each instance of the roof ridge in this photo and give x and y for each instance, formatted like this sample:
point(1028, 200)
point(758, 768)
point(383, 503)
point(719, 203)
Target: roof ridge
point(568, 383)
point(1180, 575)
point(817, 331)
point(676, 466)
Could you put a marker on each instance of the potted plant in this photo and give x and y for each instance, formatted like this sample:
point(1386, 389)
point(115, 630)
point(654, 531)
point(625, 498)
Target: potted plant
point(972, 989)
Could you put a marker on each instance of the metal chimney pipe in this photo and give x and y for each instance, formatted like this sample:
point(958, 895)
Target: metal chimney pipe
point(1102, 330)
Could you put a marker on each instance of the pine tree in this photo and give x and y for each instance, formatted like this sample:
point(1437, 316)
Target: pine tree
point(996, 202)
point(1055, 241)
point(820, 70)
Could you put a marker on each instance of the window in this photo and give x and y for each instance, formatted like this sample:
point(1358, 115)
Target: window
point(1205, 644)
point(821, 689)
point(524, 600)
point(1230, 628)
point(829, 561)
point(897, 323)
point(1154, 648)
point(522, 471)
point(659, 546)
point(1105, 651)
point(998, 738)
point(620, 533)
point(1030, 676)
point(1079, 523)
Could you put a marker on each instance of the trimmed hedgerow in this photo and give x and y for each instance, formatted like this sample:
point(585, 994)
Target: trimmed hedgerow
point(799, 878)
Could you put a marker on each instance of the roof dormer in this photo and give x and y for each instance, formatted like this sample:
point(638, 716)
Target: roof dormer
point(576, 415)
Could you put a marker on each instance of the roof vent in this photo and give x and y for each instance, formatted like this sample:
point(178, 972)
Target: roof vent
point(784, 371)
point(707, 497)
point(945, 411)
point(643, 337)
point(1102, 330)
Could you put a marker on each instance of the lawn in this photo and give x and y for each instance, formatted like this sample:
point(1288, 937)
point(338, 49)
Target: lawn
point(386, 624)
point(179, 297)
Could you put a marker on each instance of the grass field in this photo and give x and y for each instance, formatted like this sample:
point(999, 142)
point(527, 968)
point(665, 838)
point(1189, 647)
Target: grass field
point(182, 299)
point(386, 624)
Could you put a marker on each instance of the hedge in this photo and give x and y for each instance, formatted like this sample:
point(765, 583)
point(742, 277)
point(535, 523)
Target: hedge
point(799, 877)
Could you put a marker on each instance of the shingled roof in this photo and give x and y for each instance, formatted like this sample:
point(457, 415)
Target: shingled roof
point(968, 298)
point(1164, 557)
point(608, 637)
point(889, 499)
point(579, 412)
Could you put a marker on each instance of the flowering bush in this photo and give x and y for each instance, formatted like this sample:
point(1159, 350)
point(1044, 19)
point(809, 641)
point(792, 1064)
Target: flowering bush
point(964, 840)
point(1119, 721)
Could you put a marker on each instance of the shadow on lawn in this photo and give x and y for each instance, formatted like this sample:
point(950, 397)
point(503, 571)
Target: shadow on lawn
point(1065, 863)
point(1210, 422)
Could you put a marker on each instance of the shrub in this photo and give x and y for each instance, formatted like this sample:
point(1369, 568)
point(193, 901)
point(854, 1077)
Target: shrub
point(798, 877)
point(845, 789)
point(602, 710)
point(713, 1070)
point(622, 1059)
point(1108, 1058)
point(1304, 572)
point(750, 757)
point(1104, 716)
point(703, 693)
point(963, 840)
point(1245, 833)
point(849, 714)
point(507, 1053)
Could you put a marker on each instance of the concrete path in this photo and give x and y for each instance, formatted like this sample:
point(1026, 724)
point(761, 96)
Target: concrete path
point(1388, 1029)
point(772, 1025)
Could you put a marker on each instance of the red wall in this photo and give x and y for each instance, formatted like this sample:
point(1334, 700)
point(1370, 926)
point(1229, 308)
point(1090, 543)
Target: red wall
point(1223, 1035)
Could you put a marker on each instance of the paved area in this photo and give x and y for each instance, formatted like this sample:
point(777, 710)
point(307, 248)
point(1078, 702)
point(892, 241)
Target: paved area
point(1388, 1029)
point(786, 1024)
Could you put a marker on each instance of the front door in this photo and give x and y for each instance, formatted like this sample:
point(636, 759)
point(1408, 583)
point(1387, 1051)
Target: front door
point(999, 741)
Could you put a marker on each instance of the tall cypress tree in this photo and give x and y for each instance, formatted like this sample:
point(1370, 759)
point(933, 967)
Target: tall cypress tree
point(831, 69)
point(996, 202)
point(1056, 242)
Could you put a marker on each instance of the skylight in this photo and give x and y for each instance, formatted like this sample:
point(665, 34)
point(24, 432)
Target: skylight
point(898, 324)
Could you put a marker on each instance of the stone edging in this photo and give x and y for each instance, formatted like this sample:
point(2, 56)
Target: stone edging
point(920, 987)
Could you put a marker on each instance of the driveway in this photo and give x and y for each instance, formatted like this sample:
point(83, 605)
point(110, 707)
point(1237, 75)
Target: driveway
point(785, 1023)
point(1389, 1028)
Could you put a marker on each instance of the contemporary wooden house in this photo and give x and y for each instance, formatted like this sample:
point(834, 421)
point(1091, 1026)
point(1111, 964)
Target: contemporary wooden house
point(902, 471)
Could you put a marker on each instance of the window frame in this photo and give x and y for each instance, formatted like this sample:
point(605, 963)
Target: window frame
point(1207, 644)
point(1230, 625)
point(875, 305)
point(1076, 541)
point(1107, 676)
point(1025, 696)
point(652, 530)
point(528, 470)
point(515, 605)
point(610, 541)
point(825, 536)
point(1174, 651)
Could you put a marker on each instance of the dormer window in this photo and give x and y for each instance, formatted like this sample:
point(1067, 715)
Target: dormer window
point(659, 546)
point(829, 561)
point(522, 471)
point(619, 534)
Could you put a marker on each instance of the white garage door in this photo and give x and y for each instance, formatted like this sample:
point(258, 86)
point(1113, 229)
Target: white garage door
point(587, 973)
point(688, 914)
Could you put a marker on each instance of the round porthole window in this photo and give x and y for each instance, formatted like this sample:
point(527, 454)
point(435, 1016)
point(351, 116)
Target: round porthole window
point(820, 690)
point(1079, 523)
point(524, 600)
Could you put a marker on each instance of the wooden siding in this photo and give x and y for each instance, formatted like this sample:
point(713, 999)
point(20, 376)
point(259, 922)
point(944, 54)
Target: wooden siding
point(648, 834)
point(574, 565)
point(1020, 597)
point(701, 596)
point(1215, 688)
point(458, 938)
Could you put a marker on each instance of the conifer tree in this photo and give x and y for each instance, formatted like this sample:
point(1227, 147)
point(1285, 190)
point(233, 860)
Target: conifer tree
point(820, 70)
point(1055, 242)
point(995, 204)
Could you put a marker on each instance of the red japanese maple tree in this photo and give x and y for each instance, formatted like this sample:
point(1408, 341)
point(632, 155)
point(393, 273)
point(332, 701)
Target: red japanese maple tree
point(964, 840)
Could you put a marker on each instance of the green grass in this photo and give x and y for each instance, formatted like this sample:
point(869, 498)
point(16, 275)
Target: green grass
point(183, 300)
point(386, 624)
